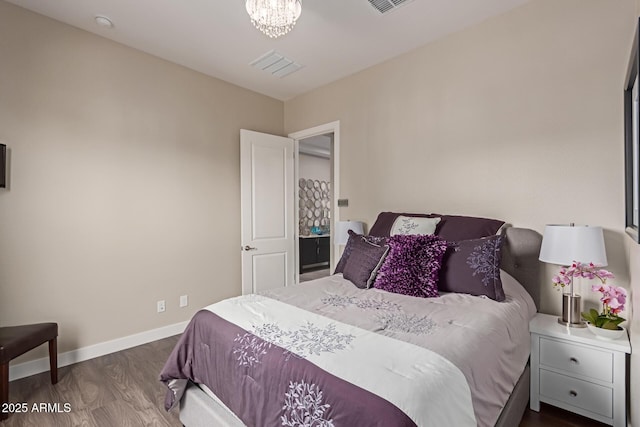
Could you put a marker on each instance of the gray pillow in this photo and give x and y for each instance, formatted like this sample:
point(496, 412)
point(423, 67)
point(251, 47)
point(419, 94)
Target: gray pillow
point(362, 265)
point(414, 225)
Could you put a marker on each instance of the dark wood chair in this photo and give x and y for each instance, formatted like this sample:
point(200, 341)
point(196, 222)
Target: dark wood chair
point(17, 340)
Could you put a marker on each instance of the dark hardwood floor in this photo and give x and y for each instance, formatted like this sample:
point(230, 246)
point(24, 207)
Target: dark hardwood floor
point(555, 417)
point(122, 389)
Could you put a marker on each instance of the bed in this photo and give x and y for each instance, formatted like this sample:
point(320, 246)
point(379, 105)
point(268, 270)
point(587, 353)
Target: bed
point(336, 351)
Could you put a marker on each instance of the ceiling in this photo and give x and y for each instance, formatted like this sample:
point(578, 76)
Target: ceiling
point(332, 39)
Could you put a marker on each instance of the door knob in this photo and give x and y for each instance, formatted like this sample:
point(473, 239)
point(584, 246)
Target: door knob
point(249, 248)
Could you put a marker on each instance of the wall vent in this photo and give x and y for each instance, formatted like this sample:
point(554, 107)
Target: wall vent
point(276, 64)
point(384, 6)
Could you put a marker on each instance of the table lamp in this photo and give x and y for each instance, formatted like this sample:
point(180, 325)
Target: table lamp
point(565, 244)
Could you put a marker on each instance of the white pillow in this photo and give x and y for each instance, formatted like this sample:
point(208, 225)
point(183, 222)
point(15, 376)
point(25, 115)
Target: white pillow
point(414, 225)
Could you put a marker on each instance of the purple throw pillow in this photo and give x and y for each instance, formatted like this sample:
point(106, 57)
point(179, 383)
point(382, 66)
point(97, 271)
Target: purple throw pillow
point(473, 267)
point(412, 265)
point(363, 263)
point(380, 241)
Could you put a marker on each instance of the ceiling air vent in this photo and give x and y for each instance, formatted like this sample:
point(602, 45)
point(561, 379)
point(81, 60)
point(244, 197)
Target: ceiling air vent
point(384, 6)
point(276, 64)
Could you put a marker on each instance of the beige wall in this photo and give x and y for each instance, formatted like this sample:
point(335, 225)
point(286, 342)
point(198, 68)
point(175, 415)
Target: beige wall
point(633, 256)
point(518, 118)
point(124, 182)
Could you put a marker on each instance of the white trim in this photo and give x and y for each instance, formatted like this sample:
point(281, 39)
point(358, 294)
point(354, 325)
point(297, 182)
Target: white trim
point(333, 127)
point(37, 366)
point(296, 210)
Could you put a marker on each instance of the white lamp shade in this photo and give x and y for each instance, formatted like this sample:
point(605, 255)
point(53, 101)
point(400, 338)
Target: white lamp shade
point(564, 244)
point(342, 231)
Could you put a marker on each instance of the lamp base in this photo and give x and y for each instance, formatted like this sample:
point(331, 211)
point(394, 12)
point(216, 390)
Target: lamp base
point(572, 325)
point(571, 306)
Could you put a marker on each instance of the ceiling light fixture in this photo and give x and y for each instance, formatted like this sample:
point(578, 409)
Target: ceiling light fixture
point(274, 18)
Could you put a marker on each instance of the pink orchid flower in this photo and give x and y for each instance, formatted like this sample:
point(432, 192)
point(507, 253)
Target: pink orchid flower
point(588, 271)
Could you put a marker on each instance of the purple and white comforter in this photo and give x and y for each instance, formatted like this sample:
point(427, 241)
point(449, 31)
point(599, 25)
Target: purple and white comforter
point(325, 353)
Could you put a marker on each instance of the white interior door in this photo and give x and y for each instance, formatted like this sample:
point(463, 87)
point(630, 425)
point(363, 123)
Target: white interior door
point(267, 209)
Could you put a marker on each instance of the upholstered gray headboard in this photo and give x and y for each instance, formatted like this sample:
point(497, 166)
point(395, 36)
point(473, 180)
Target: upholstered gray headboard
point(520, 258)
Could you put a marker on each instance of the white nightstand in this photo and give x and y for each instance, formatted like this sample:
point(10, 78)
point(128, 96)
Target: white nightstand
point(574, 370)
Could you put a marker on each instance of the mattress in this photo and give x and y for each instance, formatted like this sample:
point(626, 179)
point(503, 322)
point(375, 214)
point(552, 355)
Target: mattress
point(483, 345)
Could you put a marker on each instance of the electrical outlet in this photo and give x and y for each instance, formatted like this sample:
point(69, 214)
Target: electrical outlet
point(184, 300)
point(161, 306)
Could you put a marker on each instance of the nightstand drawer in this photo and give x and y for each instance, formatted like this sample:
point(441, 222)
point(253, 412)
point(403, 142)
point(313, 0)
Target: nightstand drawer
point(575, 359)
point(582, 394)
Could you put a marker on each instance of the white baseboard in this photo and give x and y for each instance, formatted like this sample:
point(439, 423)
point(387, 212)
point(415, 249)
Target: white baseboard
point(37, 366)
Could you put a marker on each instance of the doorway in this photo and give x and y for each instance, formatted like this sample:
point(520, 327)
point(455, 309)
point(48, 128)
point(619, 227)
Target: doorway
point(314, 206)
point(317, 182)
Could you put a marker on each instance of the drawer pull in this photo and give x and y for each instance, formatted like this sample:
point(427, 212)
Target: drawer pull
point(573, 393)
point(573, 360)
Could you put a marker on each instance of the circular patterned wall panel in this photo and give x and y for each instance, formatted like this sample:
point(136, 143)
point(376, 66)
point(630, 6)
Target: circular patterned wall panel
point(313, 205)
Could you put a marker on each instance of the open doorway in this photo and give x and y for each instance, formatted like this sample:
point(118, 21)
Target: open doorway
point(318, 184)
point(314, 206)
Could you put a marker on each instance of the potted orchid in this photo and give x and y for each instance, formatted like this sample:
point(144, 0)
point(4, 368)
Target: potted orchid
point(607, 323)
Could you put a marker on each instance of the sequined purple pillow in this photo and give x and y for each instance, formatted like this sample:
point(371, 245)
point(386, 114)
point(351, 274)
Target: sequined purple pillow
point(412, 265)
point(473, 267)
point(380, 241)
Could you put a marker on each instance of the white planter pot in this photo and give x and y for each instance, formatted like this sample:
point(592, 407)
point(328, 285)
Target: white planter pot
point(607, 334)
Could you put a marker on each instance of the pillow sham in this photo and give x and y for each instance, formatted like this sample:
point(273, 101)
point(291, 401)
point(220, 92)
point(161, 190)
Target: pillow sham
point(450, 227)
point(363, 263)
point(473, 267)
point(456, 227)
point(380, 241)
point(412, 265)
point(414, 225)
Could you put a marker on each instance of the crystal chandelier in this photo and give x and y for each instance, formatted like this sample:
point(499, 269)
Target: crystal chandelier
point(274, 18)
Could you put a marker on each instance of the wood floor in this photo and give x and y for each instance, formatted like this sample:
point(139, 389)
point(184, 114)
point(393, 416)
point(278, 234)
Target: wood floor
point(555, 417)
point(122, 389)
point(119, 389)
